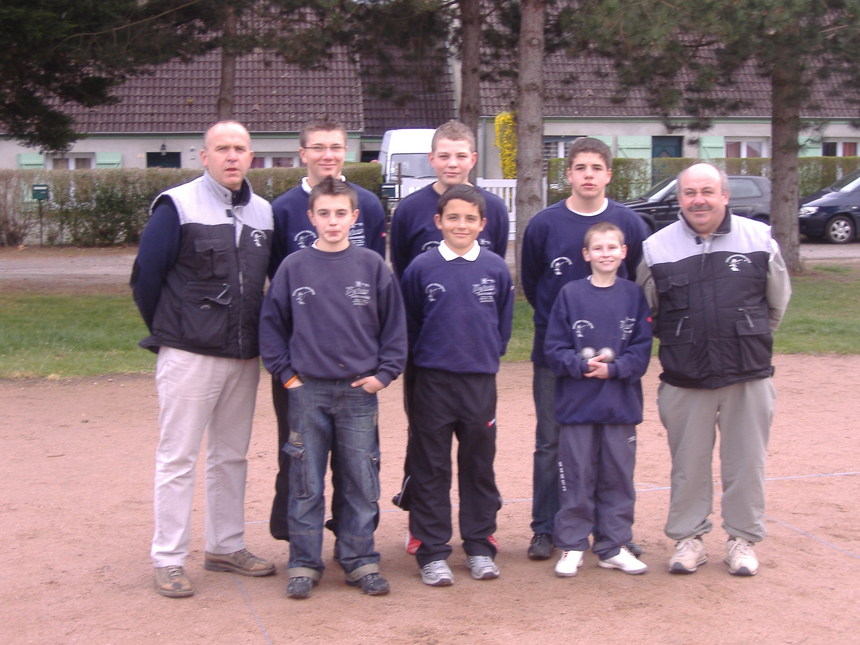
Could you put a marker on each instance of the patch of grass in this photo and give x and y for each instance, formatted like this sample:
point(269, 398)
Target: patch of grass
point(51, 336)
point(824, 314)
point(59, 336)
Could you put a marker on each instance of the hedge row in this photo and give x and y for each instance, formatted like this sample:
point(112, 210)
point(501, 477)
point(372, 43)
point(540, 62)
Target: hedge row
point(107, 207)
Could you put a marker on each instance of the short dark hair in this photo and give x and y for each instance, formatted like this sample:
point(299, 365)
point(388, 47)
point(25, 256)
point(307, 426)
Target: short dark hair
point(587, 144)
point(332, 187)
point(601, 227)
point(455, 131)
point(324, 125)
point(466, 193)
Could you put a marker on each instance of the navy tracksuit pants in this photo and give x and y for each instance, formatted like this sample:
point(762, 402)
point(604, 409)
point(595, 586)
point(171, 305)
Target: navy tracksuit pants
point(444, 405)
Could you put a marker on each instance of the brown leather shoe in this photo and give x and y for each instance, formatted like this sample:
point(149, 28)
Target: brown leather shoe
point(172, 582)
point(242, 561)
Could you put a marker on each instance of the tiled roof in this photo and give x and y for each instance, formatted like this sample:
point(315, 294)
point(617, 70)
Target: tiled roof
point(270, 96)
point(422, 97)
point(585, 87)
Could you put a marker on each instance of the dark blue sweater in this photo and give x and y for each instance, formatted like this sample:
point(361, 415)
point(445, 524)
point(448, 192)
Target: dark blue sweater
point(458, 312)
point(294, 231)
point(413, 230)
point(587, 316)
point(333, 316)
point(552, 256)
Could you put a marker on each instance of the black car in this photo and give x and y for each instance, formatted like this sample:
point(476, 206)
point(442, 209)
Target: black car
point(833, 213)
point(749, 196)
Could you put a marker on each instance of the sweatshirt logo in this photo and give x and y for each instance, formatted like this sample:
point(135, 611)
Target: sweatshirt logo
point(429, 245)
point(302, 293)
point(483, 242)
point(735, 261)
point(304, 239)
point(581, 325)
point(485, 290)
point(433, 291)
point(359, 293)
point(258, 237)
point(557, 265)
point(356, 234)
point(626, 326)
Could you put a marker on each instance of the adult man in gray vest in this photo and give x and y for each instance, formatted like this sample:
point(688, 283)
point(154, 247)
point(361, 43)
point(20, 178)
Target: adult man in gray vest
point(718, 287)
point(198, 283)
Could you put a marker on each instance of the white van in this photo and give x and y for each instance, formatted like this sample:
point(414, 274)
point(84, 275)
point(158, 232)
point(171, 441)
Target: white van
point(403, 155)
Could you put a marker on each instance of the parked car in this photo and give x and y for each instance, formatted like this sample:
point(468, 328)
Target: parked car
point(834, 212)
point(749, 196)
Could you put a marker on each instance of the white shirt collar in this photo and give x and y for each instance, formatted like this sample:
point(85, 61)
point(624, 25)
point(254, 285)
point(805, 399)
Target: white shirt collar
point(447, 254)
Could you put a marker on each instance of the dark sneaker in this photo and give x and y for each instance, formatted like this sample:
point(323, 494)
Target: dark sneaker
point(540, 547)
point(635, 548)
point(172, 582)
point(242, 561)
point(300, 587)
point(373, 584)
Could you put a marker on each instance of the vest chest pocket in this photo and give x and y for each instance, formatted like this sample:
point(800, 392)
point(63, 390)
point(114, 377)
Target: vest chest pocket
point(674, 292)
point(211, 259)
point(205, 314)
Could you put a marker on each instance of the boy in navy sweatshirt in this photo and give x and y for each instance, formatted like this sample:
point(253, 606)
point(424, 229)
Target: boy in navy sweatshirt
point(333, 332)
point(598, 343)
point(459, 307)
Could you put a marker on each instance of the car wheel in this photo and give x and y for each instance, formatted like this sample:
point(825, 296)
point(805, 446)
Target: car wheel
point(839, 230)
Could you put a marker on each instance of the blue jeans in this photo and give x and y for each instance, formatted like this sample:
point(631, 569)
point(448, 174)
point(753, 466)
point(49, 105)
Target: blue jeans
point(545, 474)
point(326, 415)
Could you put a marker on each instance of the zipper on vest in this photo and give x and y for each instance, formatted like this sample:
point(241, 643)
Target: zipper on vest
point(747, 316)
point(680, 324)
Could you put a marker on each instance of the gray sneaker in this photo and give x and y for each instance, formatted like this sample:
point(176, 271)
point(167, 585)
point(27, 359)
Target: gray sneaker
point(437, 574)
point(482, 567)
point(689, 555)
point(740, 557)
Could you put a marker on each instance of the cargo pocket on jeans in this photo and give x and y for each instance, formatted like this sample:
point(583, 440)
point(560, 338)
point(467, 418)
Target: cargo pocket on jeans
point(295, 450)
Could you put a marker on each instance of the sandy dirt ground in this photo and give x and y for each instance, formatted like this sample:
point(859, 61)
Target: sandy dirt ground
point(75, 512)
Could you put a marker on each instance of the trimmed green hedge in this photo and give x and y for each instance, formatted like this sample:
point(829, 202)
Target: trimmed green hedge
point(107, 207)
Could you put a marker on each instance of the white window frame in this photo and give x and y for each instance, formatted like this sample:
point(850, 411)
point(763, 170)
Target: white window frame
point(762, 143)
point(840, 146)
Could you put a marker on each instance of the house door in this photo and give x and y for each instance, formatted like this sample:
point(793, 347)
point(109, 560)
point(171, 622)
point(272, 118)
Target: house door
point(663, 147)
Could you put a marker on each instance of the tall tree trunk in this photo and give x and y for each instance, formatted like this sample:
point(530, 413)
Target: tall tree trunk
point(785, 130)
point(530, 88)
point(224, 106)
point(470, 72)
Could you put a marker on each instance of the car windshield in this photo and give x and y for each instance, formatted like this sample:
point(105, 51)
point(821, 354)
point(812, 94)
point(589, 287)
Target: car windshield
point(848, 183)
point(412, 165)
point(657, 189)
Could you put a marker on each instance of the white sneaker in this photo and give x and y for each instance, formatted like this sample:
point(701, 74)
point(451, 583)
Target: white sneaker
point(740, 557)
point(568, 564)
point(437, 574)
point(624, 561)
point(482, 567)
point(689, 555)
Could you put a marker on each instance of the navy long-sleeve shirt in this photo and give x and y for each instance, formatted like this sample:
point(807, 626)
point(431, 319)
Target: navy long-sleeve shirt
point(294, 231)
point(458, 312)
point(617, 317)
point(552, 256)
point(413, 230)
point(334, 316)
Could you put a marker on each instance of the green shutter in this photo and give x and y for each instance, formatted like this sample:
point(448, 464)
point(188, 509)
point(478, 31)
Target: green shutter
point(30, 161)
point(634, 147)
point(712, 147)
point(108, 160)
